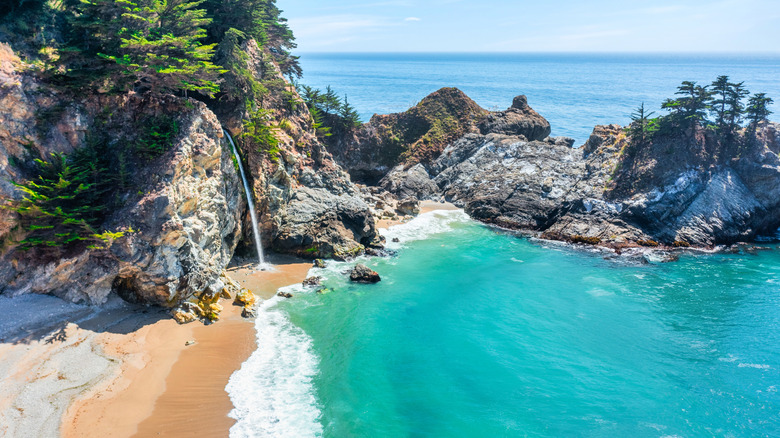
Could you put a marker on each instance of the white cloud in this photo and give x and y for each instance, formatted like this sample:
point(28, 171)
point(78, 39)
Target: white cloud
point(412, 19)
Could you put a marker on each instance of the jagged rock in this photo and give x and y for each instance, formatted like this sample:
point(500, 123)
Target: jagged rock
point(408, 206)
point(396, 240)
point(183, 317)
point(245, 298)
point(415, 136)
point(176, 249)
point(285, 294)
point(312, 281)
point(363, 274)
point(319, 263)
point(519, 120)
point(248, 312)
point(317, 223)
point(412, 183)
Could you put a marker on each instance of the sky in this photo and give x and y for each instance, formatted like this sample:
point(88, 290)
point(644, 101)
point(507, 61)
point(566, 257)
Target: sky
point(534, 25)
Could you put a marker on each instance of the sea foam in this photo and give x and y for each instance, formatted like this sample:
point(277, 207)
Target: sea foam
point(273, 393)
point(423, 226)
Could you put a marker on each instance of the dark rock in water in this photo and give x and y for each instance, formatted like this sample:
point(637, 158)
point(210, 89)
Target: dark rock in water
point(363, 274)
point(319, 263)
point(374, 252)
point(249, 312)
point(396, 240)
point(324, 290)
point(312, 281)
point(408, 206)
point(285, 294)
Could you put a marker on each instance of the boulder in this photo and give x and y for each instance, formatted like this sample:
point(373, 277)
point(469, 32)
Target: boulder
point(312, 281)
point(519, 120)
point(408, 207)
point(363, 274)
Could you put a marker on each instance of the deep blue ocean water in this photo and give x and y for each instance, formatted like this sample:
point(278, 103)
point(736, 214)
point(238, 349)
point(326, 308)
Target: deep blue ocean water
point(475, 332)
point(574, 92)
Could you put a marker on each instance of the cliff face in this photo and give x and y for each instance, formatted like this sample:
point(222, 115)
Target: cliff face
point(683, 191)
point(183, 212)
point(180, 211)
point(307, 203)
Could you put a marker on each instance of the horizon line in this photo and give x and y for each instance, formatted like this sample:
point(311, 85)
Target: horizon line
point(721, 53)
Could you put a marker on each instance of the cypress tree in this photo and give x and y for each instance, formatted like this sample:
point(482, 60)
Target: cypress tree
point(349, 116)
point(153, 43)
point(640, 131)
point(757, 110)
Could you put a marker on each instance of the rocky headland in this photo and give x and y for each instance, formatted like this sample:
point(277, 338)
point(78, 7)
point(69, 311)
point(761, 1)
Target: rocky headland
point(182, 213)
point(686, 190)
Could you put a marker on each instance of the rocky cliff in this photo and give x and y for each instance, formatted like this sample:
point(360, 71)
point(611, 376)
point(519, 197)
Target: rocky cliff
point(679, 191)
point(183, 212)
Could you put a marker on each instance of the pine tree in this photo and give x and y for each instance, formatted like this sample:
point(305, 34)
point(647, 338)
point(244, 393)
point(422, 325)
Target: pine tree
point(737, 92)
point(689, 110)
point(757, 110)
point(60, 206)
point(720, 92)
point(330, 100)
point(154, 43)
point(349, 116)
point(640, 129)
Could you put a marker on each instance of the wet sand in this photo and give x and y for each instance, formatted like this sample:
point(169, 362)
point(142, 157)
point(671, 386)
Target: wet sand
point(425, 207)
point(149, 378)
point(175, 390)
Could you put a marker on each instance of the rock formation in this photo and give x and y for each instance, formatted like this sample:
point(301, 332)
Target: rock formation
point(363, 274)
point(679, 191)
point(183, 213)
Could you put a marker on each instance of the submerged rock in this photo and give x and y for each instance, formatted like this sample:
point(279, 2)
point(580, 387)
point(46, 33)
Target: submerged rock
point(363, 274)
point(312, 281)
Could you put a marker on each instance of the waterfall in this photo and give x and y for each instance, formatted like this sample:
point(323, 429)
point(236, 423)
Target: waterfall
point(251, 202)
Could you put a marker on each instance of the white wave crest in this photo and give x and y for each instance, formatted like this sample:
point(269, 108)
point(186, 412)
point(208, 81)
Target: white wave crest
point(423, 226)
point(273, 393)
point(758, 366)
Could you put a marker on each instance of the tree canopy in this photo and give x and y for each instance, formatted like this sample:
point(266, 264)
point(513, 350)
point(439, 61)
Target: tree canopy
point(729, 103)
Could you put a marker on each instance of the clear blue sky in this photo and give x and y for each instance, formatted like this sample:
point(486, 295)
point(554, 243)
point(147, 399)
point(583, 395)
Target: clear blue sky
point(534, 25)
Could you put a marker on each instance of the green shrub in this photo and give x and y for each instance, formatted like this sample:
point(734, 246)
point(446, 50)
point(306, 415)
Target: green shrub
point(156, 136)
point(259, 133)
point(64, 202)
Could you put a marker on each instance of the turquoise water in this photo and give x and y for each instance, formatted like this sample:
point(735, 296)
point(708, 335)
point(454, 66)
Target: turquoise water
point(574, 92)
point(475, 332)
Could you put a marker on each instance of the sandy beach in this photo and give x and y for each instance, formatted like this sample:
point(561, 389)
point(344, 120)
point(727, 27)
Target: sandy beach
point(130, 371)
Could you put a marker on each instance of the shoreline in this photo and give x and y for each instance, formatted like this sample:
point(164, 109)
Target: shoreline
point(175, 389)
point(137, 373)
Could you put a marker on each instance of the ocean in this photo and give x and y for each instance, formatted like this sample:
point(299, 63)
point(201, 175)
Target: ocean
point(575, 92)
point(478, 332)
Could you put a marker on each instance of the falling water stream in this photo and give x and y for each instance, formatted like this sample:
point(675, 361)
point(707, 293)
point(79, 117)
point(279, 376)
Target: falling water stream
point(251, 202)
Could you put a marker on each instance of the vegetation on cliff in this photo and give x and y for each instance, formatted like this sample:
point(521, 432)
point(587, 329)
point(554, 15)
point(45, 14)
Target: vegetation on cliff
point(723, 101)
point(157, 46)
point(705, 125)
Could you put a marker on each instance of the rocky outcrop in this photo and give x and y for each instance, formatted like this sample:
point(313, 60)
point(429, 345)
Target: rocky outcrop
point(181, 225)
point(415, 136)
point(183, 213)
point(363, 274)
point(520, 120)
point(689, 190)
point(307, 204)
